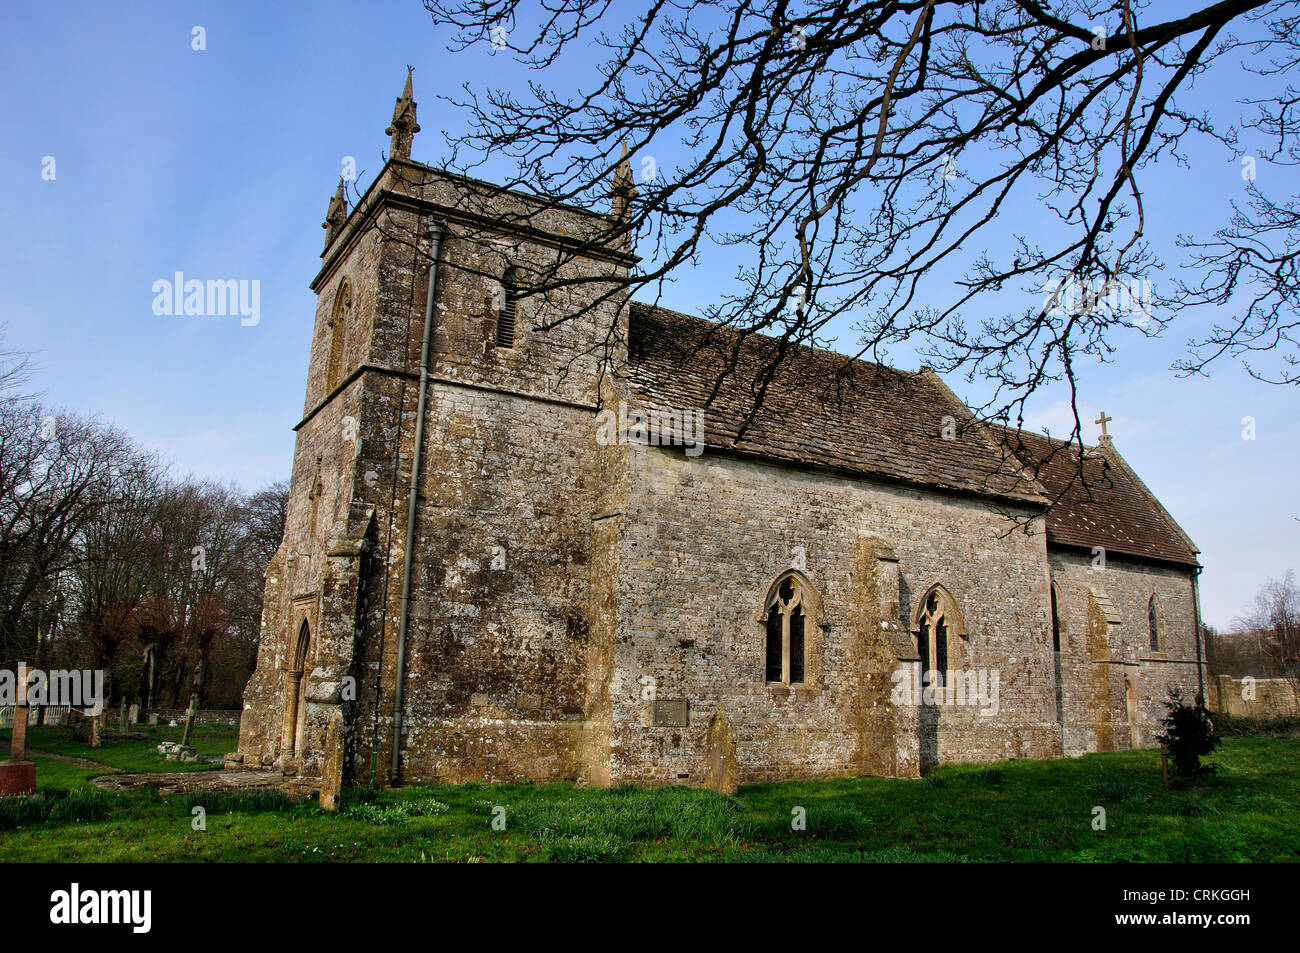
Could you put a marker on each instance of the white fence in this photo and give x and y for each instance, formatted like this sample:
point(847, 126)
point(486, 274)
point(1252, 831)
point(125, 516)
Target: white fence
point(54, 715)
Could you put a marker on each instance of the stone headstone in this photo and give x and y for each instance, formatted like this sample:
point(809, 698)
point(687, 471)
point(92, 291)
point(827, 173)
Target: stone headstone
point(720, 756)
point(190, 714)
point(331, 779)
point(133, 714)
point(123, 725)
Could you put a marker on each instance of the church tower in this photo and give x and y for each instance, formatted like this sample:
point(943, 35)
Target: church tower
point(429, 611)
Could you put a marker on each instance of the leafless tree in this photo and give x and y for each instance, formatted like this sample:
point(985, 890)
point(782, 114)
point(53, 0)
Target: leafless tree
point(177, 569)
point(267, 510)
point(1275, 617)
point(109, 578)
point(58, 478)
point(103, 552)
point(851, 151)
point(15, 368)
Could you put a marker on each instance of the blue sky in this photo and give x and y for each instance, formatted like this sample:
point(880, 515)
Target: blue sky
point(219, 163)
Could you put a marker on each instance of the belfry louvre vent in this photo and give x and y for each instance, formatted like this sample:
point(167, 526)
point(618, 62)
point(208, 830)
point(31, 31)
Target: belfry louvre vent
point(506, 317)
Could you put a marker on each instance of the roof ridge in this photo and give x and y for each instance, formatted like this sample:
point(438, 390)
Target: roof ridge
point(751, 335)
point(1060, 442)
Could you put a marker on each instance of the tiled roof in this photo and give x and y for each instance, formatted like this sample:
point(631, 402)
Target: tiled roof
point(1104, 504)
point(888, 424)
point(878, 421)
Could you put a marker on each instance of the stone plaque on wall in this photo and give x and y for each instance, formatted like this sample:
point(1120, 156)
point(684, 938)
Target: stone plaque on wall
point(668, 713)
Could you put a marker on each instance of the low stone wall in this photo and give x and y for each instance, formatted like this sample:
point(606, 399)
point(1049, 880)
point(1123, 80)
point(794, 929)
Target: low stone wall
point(1252, 698)
point(205, 716)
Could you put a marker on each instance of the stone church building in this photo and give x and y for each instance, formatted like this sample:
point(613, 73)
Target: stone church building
point(494, 569)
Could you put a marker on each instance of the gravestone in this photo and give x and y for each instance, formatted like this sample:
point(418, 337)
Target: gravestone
point(122, 725)
point(720, 756)
point(18, 775)
point(190, 714)
point(331, 779)
point(133, 714)
point(183, 751)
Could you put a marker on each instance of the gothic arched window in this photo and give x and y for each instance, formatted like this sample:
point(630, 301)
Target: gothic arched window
point(790, 603)
point(338, 329)
point(1056, 624)
point(1153, 624)
point(938, 623)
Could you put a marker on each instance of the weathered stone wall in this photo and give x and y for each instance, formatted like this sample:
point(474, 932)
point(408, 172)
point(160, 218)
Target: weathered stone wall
point(703, 540)
point(1259, 698)
point(497, 655)
point(204, 716)
point(328, 446)
point(497, 658)
point(1105, 643)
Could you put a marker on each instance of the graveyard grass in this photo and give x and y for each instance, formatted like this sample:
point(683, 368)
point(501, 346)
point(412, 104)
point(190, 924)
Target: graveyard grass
point(1249, 810)
point(128, 754)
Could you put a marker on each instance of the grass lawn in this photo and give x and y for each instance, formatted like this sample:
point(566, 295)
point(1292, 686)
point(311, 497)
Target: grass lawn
point(1016, 811)
point(124, 754)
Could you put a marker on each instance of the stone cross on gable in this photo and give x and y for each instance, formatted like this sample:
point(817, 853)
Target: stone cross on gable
point(1104, 420)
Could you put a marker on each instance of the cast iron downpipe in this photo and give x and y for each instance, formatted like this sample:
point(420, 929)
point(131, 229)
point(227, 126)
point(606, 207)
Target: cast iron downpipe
point(435, 235)
point(1200, 649)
